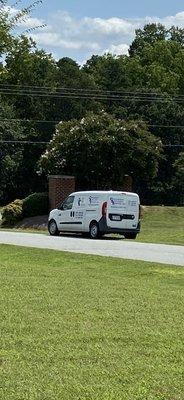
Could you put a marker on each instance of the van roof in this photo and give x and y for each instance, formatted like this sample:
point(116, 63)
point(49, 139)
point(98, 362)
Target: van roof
point(88, 192)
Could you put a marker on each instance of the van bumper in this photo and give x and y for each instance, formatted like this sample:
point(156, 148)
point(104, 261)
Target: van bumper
point(105, 229)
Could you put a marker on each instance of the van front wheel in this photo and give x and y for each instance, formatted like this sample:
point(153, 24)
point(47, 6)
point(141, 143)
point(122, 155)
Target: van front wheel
point(53, 230)
point(94, 230)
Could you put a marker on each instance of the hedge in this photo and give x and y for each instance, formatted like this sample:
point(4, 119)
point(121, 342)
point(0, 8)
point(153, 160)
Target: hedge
point(12, 213)
point(36, 204)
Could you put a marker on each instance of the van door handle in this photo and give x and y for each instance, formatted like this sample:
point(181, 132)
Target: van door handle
point(71, 214)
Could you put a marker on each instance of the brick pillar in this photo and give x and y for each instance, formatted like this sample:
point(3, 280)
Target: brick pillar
point(127, 183)
point(60, 186)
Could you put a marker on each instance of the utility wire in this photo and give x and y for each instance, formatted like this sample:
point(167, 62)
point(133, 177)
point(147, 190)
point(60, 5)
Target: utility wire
point(75, 96)
point(22, 142)
point(43, 121)
point(98, 90)
point(36, 142)
point(93, 97)
point(88, 94)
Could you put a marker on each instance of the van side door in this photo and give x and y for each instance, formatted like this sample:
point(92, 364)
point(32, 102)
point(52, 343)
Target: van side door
point(79, 212)
point(65, 214)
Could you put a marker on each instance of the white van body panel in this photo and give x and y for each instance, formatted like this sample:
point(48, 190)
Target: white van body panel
point(81, 208)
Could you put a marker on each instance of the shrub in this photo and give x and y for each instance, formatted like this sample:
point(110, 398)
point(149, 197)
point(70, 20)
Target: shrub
point(36, 204)
point(12, 213)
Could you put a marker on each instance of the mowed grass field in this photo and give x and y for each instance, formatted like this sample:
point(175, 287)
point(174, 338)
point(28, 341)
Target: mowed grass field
point(77, 327)
point(162, 225)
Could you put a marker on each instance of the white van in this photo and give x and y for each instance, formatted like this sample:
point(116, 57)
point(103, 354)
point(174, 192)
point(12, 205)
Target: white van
point(97, 213)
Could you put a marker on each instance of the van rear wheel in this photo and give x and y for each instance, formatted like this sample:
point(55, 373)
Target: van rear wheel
point(94, 230)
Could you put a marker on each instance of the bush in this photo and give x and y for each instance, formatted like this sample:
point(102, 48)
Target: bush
point(36, 204)
point(12, 213)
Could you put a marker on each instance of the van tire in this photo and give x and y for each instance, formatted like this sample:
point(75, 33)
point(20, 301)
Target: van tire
point(94, 230)
point(53, 229)
point(130, 235)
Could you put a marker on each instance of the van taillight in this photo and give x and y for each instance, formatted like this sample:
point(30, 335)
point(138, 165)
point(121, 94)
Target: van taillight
point(104, 209)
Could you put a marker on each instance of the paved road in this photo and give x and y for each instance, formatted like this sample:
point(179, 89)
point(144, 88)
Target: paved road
point(133, 250)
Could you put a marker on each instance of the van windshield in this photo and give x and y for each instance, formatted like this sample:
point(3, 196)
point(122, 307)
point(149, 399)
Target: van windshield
point(68, 203)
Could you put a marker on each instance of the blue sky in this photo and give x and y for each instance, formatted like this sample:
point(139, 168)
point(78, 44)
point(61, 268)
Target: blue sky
point(118, 8)
point(80, 28)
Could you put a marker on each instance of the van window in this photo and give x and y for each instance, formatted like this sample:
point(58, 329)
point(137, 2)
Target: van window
point(68, 203)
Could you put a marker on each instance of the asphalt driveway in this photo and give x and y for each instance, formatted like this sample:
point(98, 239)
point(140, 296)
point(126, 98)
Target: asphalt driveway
point(132, 250)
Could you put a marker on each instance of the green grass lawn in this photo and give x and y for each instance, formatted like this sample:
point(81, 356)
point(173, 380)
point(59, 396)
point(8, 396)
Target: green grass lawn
point(162, 225)
point(90, 328)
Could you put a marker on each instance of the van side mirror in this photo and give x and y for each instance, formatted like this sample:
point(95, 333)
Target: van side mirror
point(63, 207)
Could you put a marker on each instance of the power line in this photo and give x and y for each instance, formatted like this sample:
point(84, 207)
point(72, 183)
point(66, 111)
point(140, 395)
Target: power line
point(30, 120)
point(40, 121)
point(98, 90)
point(6, 86)
point(173, 145)
point(89, 95)
point(165, 126)
point(40, 142)
point(22, 142)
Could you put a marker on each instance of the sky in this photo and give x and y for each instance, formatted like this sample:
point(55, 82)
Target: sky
point(80, 28)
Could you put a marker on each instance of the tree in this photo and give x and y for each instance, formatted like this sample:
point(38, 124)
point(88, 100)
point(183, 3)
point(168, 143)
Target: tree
point(21, 65)
point(72, 80)
point(11, 156)
point(150, 34)
point(100, 149)
point(8, 22)
point(178, 180)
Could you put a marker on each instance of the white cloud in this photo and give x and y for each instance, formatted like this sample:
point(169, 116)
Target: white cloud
point(115, 26)
point(118, 49)
point(80, 38)
point(89, 35)
point(55, 40)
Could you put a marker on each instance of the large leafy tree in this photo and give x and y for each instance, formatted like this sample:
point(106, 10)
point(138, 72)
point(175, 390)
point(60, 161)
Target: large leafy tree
point(72, 81)
point(100, 149)
point(178, 180)
point(151, 84)
point(11, 155)
point(155, 33)
point(17, 162)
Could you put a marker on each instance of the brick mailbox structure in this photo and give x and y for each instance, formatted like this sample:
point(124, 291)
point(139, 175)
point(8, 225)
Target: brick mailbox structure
point(60, 186)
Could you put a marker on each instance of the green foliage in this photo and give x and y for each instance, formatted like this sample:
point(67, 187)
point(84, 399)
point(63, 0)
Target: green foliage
point(152, 34)
point(12, 213)
point(35, 204)
point(17, 163)
point(155, 66)
point(178, 180)
point(8, 23)
point(100, 149)
point(11, 155)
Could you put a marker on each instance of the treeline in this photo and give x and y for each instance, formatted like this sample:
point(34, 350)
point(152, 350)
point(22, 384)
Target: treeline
point(120, 115)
